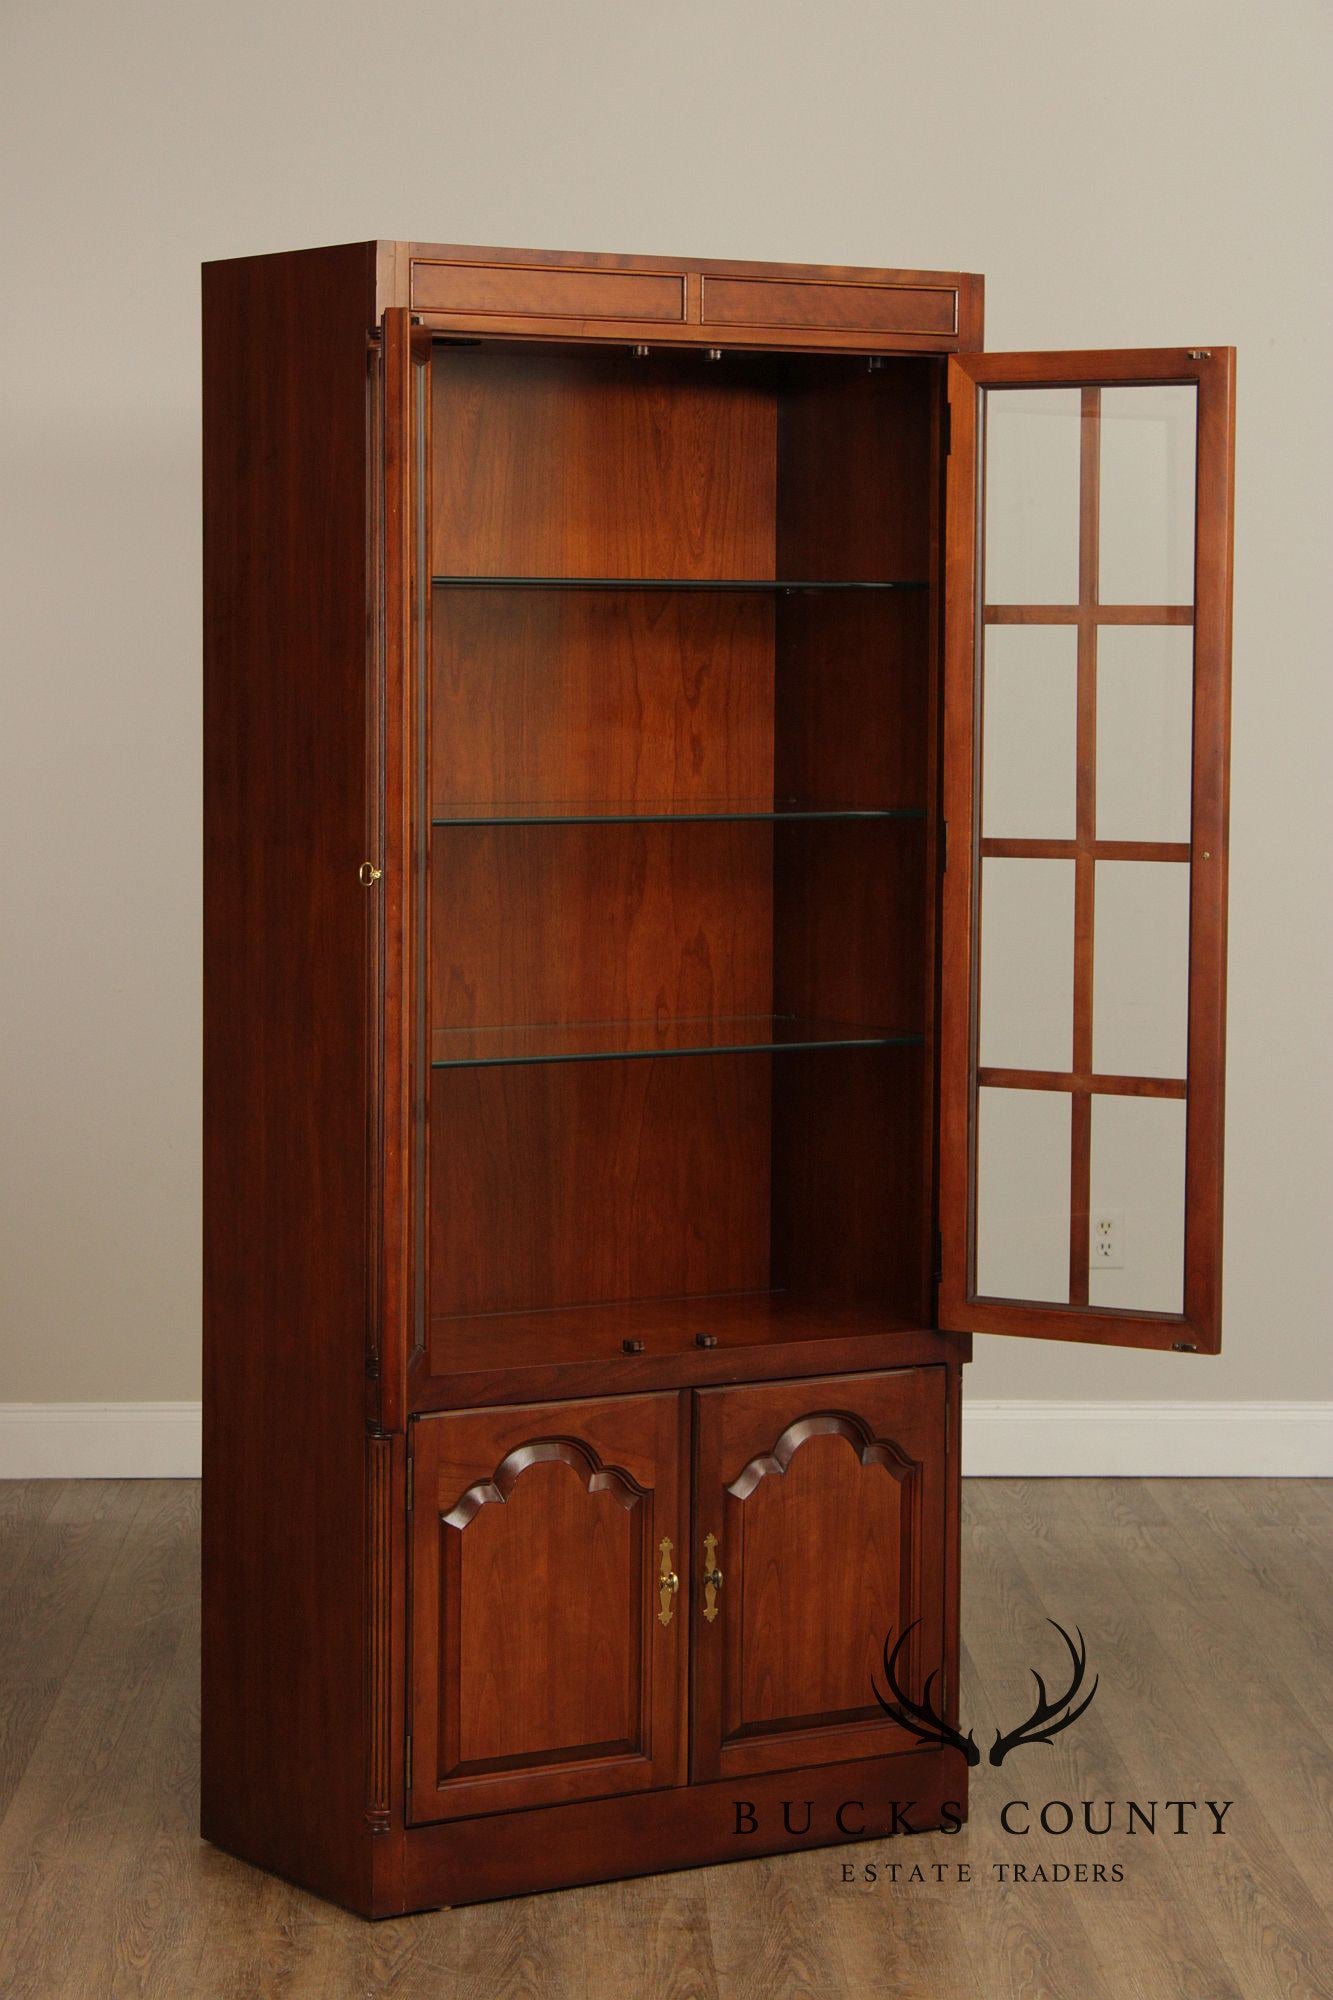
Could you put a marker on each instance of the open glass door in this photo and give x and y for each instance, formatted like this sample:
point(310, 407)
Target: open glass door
point(1088, 617)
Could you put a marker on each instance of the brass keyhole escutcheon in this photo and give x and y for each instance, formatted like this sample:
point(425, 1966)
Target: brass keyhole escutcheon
point(668, 1583)
point(712, 1578)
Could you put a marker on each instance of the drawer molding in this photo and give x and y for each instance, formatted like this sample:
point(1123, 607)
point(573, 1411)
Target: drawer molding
point(844, 306)
point(546, 291)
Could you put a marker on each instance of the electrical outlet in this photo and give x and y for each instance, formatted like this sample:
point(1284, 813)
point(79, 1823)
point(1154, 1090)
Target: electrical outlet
point(1107, 1249)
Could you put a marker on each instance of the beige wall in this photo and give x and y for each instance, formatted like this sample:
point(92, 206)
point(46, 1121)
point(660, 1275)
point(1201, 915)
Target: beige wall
point(1147, 174)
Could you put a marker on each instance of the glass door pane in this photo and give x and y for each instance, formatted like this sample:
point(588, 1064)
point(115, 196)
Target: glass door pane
point(1089, 554)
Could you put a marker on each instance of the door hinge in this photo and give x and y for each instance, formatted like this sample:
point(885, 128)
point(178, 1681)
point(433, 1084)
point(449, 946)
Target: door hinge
point(407, 1764)
point(939, 1257)
point(944, 845)
point(411, 1479)
point(948, 428)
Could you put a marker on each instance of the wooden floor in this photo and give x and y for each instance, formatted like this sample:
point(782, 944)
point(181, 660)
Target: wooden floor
point(1202, 1603)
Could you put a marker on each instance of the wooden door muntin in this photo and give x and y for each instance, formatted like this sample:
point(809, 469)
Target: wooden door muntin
point(830, 1434)
point(963, 1304)
point(565, 1494)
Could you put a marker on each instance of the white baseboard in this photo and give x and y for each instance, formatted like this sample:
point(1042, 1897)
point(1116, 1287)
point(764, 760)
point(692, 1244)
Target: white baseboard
point(1000, 1440)
point(99, 1440)
point(1108, 1440)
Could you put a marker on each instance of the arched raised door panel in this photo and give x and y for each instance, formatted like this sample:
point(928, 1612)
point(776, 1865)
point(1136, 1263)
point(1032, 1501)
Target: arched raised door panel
point(580, 1458)
point(542, 1668)
point(819, 1530)
point(870, 1450)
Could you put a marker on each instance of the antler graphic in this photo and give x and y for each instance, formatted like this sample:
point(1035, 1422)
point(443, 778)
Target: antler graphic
point(920, 1717)
point(1046, 1720)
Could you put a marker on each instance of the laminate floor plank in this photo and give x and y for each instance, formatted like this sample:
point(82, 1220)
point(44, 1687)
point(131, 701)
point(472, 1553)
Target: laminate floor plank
point(659, 1927)
point(1204, 1616)
point(24, 1507)
point(889, 1936)
point(1150, 1932)
point(1281, 1543)
point(1250, 1894)
point(1275, 1659)
point(132, 1935)
point(1300, 1513)
point(54, 1590)
point(1261, 1582)
point(775, 1929)
point(526, 1949)
point(1143, 1934)
point(1108, 1927)
point(1270, 1722)
point(68, 1804)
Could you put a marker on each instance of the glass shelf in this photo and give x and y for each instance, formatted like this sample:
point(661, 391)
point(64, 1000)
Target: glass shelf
point(616, 1041)
point(560, 812)
point(666, 583)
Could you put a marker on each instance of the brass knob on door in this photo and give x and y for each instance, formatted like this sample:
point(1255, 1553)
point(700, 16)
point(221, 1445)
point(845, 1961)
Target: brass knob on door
point(712, 1578)
point(668, 1583)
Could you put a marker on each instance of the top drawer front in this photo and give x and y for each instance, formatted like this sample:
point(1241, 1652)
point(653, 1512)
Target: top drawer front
point(525, 291)
point(875, 309)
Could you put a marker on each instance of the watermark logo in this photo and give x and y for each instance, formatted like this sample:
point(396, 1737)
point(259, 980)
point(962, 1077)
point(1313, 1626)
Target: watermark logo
point(1043, 1725)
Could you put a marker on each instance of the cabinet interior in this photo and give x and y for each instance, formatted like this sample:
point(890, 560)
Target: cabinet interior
point(681, 908)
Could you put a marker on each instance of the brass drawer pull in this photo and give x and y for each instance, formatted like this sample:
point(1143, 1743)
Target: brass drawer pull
point(668, 1583)
point(712, 1578)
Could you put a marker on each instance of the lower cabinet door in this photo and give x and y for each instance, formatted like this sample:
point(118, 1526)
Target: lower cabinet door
point(819, 1532)
point(549, 1594)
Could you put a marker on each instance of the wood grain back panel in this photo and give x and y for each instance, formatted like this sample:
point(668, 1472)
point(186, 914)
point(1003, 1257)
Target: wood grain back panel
point(859, 477)
point(573, 697)
point(572, 1183)
point(850, 1205)
point(849, 921)
point(854, 469)
point(611, 923)
point(851, 698)
point(601, 466)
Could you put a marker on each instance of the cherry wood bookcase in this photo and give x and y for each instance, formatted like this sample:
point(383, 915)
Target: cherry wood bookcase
point(715, 864)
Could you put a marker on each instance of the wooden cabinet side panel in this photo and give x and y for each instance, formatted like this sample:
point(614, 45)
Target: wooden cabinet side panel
point(285, 1570)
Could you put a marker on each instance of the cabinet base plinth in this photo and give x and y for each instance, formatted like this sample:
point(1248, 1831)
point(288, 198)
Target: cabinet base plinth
point(690, 1826)
point(429, 1869)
